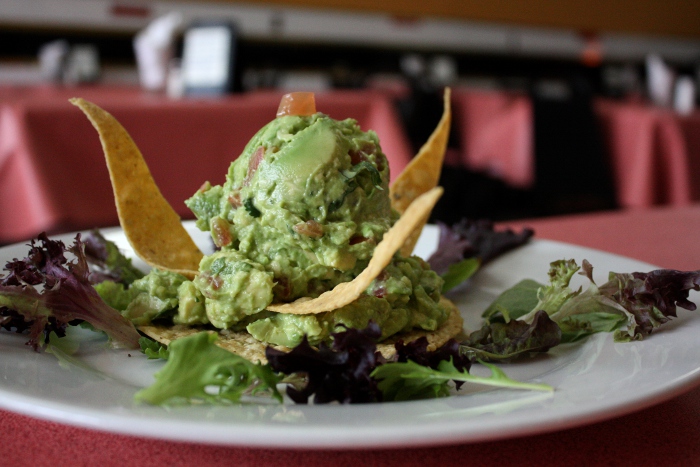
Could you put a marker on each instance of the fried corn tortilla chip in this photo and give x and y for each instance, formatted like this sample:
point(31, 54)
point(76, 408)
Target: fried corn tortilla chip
point(245, 345)
point(422, 173)
point(347, 292)
point(150, 224)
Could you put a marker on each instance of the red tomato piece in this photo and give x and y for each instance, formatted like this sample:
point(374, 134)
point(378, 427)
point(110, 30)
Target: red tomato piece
point(297, 103)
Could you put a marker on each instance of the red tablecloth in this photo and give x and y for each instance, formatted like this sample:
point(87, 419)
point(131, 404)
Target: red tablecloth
point(53, 174)
point(690, 126)
point(667, 434)
point(495, 135)
point(654, 153)
point(649, 155)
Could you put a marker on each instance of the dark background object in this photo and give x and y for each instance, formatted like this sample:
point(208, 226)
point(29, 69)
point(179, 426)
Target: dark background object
point(571, 162)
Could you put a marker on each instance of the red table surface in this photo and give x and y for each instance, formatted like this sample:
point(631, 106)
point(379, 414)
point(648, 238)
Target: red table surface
point(53, 174)
point(667, 434)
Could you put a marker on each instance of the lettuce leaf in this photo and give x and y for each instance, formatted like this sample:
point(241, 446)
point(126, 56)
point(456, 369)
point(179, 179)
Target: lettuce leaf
point(153, 349)
point(514, 302)
point(465, 246)
point(506, 341)
point(473, 239)
point(107, 262)
point(199, 370)
point(49, 292)
point(336, 373)
point(459, 272)
point(631, 305)
point(401, 381)
point(351, 371)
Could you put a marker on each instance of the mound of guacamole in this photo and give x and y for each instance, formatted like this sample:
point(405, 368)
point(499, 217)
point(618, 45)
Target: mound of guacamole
point(301, 210)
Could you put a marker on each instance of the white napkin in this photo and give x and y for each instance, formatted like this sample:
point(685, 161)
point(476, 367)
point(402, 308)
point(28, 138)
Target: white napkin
point(52, 59)
point(155, 47)
point(659, 81)
point(684, 95)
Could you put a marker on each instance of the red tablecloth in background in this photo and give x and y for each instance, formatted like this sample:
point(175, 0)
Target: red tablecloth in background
point(649, 155)
point(654, 153)
point(53, 174)
point(667, 434)
point(495, 135)
point(690, 126)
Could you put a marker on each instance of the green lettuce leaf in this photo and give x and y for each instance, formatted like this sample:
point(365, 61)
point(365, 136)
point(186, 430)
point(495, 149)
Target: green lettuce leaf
point(514, 302)
point(505, 341)
point(410, 381)
point(197, 369)
point(459, 272)
point(154, 349)
point(630, 305)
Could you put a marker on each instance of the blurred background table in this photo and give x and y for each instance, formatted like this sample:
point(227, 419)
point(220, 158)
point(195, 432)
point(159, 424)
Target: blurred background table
point(505, 160)
point(665, 434)
point(53, 175)
point(651, 154)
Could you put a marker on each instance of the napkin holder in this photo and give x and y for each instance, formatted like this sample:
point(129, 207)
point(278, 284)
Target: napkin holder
point(209, 65)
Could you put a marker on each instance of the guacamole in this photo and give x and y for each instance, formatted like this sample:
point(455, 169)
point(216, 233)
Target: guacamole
point(301, 210)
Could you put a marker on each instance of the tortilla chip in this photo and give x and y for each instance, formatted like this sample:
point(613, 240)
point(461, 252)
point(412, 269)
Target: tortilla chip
point(245, 345)
point(422, 173)
point(451, 328)
point(347, 292)
point(238, 342)
point(151, 225)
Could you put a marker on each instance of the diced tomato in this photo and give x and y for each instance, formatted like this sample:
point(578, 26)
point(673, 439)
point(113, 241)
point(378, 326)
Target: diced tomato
point(253, 164)
point(234, 199)
point(220, 232)
point(357, 156)
point(310, 228)
point(383, 276)
point(360, 155)
point(205, 187)
point(215, 281)
point(379, 292)
point(297, 103)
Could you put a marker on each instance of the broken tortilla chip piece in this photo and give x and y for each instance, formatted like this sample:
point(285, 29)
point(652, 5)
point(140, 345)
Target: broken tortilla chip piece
point(347, 292)
point(239, 342)
point(243, 344)
point(151, 225)
point(453, 327)
point(422, 173)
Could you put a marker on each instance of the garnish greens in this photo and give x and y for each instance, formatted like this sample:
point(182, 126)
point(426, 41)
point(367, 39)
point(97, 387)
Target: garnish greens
point(45, 293)
point(467, 245)
point(197, 369)
point(630, 305)
point(65, 295)
point(348, 371)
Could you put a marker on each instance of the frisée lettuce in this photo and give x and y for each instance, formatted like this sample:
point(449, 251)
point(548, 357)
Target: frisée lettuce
point(631, 305)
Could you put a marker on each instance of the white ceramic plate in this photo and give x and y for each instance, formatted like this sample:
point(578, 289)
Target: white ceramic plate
point(593, 380)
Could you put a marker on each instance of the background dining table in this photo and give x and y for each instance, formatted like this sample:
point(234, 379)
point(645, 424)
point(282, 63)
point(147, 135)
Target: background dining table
point(666, 433)
point(53, 175)
point(652, 153)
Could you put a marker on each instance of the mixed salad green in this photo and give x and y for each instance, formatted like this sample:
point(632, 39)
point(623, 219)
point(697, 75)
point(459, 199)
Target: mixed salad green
point(45, 293)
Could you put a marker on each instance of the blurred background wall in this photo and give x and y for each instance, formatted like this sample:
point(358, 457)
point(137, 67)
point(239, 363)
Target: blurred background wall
point(562, 55)
point(354, 38)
